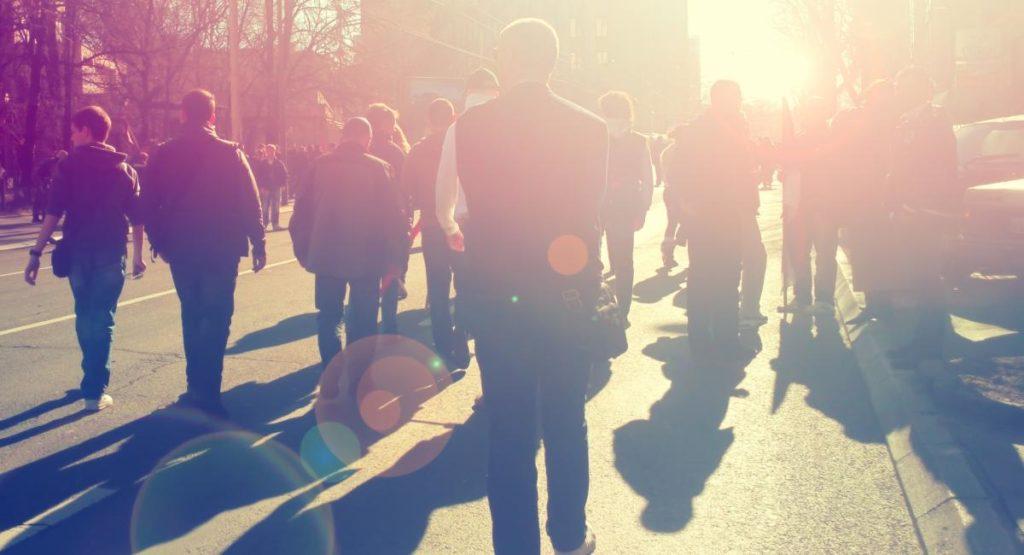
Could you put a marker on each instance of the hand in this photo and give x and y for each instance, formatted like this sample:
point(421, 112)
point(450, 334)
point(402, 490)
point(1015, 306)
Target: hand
point(259, 261)
point(138, 266)
point(32, 270)
point(457, 242)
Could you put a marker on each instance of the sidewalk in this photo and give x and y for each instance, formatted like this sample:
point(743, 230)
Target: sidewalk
point(960, 469)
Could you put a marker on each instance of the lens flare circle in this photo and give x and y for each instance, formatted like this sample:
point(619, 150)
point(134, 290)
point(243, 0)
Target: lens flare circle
point(568, 255)
point(220, 472)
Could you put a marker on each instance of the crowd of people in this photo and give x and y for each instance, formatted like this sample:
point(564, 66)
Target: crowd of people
point(516, 196)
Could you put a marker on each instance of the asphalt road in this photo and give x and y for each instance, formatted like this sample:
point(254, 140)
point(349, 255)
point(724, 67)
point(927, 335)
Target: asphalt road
point(785, 457)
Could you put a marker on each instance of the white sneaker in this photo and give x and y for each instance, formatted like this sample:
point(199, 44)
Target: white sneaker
point(96, 405)
point(588, 546)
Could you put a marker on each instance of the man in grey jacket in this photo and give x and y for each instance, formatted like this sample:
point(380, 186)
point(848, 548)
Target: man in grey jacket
point(349, 228)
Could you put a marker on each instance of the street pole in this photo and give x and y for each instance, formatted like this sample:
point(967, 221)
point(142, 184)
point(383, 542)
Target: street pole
point(234, 82)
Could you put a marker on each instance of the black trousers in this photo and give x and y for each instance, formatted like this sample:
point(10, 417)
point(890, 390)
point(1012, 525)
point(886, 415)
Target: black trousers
point(620, 257)
point(440, 263)
point(523, 367)
point(361, 322)
point(819, 233)
point(207, 294)
point(715, 248)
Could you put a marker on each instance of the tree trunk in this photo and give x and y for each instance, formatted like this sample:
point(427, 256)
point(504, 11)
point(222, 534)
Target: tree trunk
point(273, 98)
point(27, 153)
point(72, 56)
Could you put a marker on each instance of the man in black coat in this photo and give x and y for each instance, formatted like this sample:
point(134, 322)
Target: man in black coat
point(201, 198)
point(350, 229)
point(533, 167)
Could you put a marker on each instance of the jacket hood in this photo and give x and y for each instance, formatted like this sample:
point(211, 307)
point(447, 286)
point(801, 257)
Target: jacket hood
point(98, 155)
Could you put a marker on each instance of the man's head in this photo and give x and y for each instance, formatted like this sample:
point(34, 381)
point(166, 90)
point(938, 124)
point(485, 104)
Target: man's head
point(726, 98)
point(60, 154)
point(198, 107)
point(527, 52)
point(382, 119)
point(914, 88)
point(616, 105)
point(482, 80)
point(879, 94)
point(440, 115)
point(358, 131)
point(271, 151)
point(89, 125)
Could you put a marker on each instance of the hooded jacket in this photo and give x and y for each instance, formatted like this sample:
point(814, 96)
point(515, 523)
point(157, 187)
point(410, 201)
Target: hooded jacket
point(200, 199)
point(99, 194)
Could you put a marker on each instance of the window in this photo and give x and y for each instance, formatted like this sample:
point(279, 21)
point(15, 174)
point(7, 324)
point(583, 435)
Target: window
point(602, 58)
point(572, 28)
point(602, 28)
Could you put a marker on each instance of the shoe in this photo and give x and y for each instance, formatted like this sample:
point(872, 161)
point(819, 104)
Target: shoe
point(752, 321)
point(213, 408)
point(586, 548)
point(669, 262)
point(96, 405)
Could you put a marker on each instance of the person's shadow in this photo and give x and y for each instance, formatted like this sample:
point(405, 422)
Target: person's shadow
point(812, 353)
point(659, 286)
point(291, 329)
point(668, 457)
point(390, 514)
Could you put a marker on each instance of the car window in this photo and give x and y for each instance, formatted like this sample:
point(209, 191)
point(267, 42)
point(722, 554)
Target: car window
point(1003, 142)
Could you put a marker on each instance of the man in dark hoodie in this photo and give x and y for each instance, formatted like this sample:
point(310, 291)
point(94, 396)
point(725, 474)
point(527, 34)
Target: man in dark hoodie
point(202, 201)
point(98, 193)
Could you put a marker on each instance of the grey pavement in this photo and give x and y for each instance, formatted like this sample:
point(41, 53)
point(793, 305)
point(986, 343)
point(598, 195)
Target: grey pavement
point(785, 457)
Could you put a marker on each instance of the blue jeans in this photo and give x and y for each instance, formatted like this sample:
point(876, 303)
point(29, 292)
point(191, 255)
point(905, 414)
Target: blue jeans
point(96, 284)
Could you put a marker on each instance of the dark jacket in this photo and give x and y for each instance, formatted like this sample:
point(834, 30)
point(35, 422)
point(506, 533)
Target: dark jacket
point(99, 193)
point(274, 176)
point(349, 221)
point(718, 166)
point(924, 162)
point(200, 199)
point(533, 167)
point(419, 178)
point(630, 184)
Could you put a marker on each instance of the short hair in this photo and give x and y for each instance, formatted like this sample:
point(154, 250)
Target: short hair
point(198, 105)
point(532, 43)
point(95, 119)
point(356, 128)
point(440, 113)
point(616, 104)
point(723, 88)
point(380, 114)
point(481, 78)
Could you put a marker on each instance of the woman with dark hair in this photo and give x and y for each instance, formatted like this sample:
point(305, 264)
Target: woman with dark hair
point(630, 187)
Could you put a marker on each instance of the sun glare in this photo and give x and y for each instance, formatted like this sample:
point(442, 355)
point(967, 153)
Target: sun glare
point(739, 40)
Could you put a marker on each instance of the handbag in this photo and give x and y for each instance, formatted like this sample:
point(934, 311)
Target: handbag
point(603, 328)
point(60, 259)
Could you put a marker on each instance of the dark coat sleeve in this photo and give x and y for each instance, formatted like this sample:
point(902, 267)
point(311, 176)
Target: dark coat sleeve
point(249, 197)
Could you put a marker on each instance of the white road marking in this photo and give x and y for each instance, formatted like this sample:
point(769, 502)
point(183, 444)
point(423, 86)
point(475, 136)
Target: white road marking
point(22, 272)
point(129, 302)
point(63, 510)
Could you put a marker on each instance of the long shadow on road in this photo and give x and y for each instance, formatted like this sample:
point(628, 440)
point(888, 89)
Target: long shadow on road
point(819, 360)
point(668, 457)
point(161, 453)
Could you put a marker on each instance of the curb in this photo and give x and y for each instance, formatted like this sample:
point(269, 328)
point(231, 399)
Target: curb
point(952, 510)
